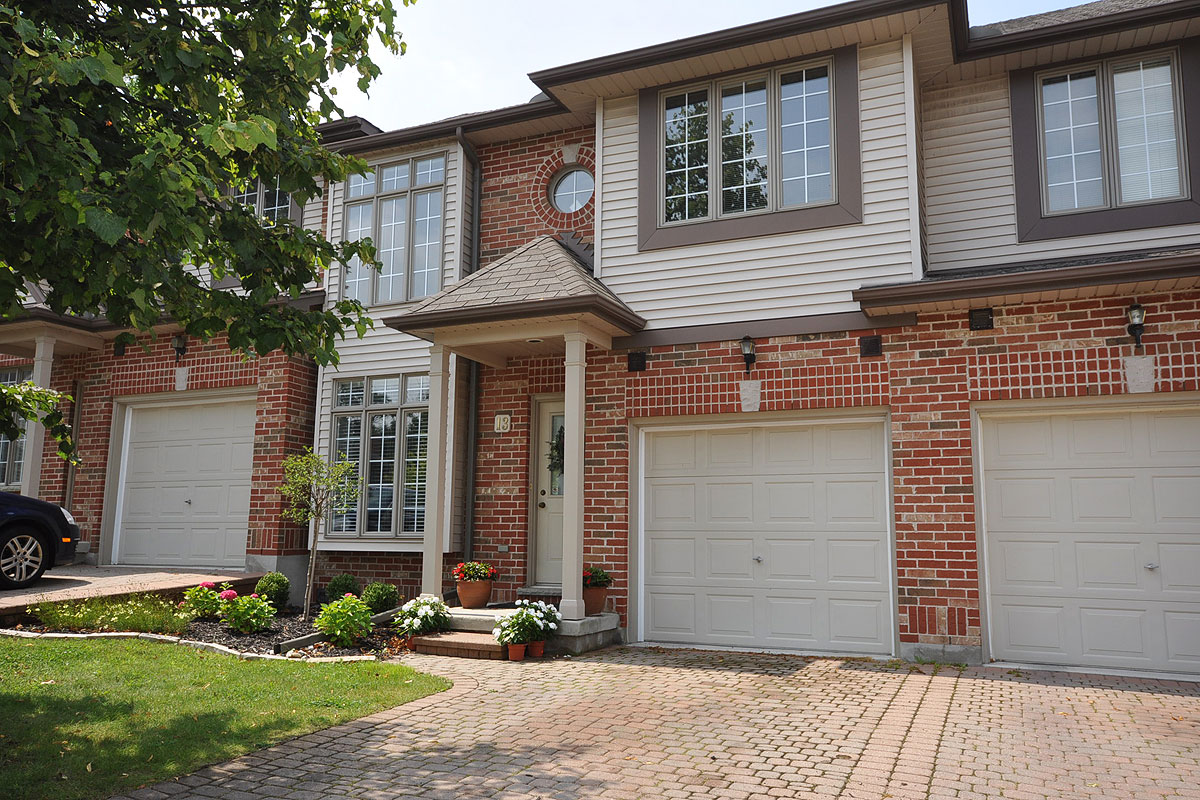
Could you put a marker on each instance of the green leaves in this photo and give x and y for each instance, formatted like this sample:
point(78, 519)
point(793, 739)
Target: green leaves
point(105, 224)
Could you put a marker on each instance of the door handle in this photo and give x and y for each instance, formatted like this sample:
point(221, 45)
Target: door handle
point(758, 559)
point(541, 505)
point(188, 501)
point(1152, 566)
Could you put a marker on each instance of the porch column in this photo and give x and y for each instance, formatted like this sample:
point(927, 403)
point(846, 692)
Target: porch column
point(575, 408)
point(35, 432)
point(435, 472)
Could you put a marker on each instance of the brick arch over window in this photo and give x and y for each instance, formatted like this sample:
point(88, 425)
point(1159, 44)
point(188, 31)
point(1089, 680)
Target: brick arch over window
point(553, 166)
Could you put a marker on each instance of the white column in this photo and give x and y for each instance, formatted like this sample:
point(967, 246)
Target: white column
point(575, 409)
point(435, 472)
point(35, 432)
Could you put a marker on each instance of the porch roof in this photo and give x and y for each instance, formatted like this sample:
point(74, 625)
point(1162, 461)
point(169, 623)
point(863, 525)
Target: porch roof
point(541, 278)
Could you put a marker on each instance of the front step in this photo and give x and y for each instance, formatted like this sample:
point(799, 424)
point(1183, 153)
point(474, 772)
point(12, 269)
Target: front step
point(476, 620)
point(461, 644)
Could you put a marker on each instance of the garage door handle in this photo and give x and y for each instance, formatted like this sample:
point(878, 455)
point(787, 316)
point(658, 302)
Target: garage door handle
point(189, 502)
point(758, 559)
point(1152, 566)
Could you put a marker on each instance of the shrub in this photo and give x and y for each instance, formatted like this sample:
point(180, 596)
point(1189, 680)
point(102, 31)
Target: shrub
point(596, 578)
point(341, 585)
point(520, 628)
point(381, 597)
point(421, 616)
point(274, 587)
point(345, 620)
point(475, 571)
point(248, 614)
point(203, 600)
point(144, 613)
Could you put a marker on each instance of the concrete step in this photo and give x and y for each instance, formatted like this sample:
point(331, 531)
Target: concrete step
point(461, 644)
point(476, 620)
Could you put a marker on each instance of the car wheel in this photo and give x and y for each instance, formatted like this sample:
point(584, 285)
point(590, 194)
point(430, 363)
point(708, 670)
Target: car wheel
point(23, 558)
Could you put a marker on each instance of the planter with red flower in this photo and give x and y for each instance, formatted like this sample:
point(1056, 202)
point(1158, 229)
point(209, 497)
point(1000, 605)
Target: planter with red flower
point(474, 580)
point(595, 589)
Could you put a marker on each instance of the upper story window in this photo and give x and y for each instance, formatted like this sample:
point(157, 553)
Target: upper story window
point(381, 423)
point(734, 157)
point(572, 190)
point(1111, 134)
point(268, 201)
point(399, 207)
point(747, 145)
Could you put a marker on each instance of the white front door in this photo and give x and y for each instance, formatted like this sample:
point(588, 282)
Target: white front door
point(548, 495)
point(186, 485)
point(771, 536)
point(1092, 537)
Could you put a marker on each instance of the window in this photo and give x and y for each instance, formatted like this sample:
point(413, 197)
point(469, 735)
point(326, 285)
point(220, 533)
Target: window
point(270, 202)
point(12, 453)
point(399, 207)
point(770, 134)
point(572, 190)
point(382, 425)
point(741, 156)
point(1111, 134)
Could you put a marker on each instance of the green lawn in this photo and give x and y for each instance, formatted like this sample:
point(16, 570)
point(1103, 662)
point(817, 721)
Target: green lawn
point(83, 719)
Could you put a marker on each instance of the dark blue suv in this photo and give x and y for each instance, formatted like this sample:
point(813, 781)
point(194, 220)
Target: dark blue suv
point(34, 536)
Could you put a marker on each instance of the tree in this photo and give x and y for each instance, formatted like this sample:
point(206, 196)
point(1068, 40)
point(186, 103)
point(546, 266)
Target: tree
point(124, 126)
point(312, 488)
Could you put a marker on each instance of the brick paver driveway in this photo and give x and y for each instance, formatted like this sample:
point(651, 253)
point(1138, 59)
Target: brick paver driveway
point(640, 723)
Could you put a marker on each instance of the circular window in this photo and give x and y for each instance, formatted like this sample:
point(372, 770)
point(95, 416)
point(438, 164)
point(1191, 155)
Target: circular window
point(572, 190)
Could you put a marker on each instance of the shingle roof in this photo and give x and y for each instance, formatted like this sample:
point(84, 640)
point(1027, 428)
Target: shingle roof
point(538, 271)
point(1062, 16)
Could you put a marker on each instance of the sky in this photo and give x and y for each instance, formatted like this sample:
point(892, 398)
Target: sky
point(473, 55)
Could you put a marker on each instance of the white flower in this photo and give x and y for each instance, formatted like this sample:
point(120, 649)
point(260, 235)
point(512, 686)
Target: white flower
point(553, 627)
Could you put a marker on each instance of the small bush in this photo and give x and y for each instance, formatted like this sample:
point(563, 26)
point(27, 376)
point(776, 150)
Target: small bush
point(203, 601)
point(421, 616)
point(248, 614)
point(274, 587)
point(520, 628)
point(341, 585)
point(344, 621)
point(144, 613)
point(381, 597)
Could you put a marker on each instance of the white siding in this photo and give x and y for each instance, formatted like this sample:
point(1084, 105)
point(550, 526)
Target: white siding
point(809, 272)
point(970, 191)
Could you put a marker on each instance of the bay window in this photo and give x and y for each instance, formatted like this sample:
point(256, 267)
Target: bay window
point(399, 207)
point(381, 423)
point(12, 451)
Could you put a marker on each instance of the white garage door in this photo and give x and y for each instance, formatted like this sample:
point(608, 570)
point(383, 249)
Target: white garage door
point(186, 492)
point(771, 536)
point(1092, 536)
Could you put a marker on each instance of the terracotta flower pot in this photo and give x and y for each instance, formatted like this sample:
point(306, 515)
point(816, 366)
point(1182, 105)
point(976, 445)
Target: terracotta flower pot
point(474, 594)
point(516, 652)
point(535, 649)
point(594, 598)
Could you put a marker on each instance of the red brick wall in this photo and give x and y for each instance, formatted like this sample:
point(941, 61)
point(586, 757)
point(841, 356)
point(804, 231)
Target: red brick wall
point(516, 184)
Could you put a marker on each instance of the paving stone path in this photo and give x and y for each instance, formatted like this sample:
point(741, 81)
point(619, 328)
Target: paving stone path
point(631, 723)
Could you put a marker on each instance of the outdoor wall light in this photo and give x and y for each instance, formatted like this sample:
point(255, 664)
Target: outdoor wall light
point(1137, 323)
point(748, 352)
point(118, 348)
point(179, 345)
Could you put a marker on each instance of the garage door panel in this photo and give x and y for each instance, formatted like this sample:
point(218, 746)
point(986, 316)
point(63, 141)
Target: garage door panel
point(1021, 563)
point(790, 502)
point(788, 450)
point(1174, 438)
point(670, 504)
point(792, 559)
point(670, 558)
point(729, 502)
point(1183, 638)
point(852, 448)
point(858, 561)
point(858, 622)
point(729, 558)
point(731, 615)
point(1179, 568)
point(671, 615)
point(1176, 499)
point(1114, 632)
point(731, 450)
point(856, 502)
point(792, 622)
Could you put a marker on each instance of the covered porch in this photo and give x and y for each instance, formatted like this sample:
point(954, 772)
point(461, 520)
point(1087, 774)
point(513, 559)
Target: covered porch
point(539, 301)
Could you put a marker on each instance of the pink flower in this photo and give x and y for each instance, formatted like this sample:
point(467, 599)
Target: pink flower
point(228, 594)
point(254, 596)
point(348, 594)
point(208, 585)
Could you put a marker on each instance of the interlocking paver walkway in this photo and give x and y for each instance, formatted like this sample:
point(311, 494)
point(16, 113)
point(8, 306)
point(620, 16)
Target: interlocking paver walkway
point(640, 723)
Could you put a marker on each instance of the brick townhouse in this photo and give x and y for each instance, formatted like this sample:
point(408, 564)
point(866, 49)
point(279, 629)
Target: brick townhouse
point(858, 331)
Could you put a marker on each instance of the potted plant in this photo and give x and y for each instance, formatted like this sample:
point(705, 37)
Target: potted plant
point(595, 589)
point(517, 630)
point(548, 618)
point(474, 579)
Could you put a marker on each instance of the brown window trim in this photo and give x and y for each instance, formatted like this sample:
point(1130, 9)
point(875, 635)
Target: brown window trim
point(1027, 168)
point(847, 158)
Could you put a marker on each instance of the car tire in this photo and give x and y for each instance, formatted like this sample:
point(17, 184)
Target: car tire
point(23, 557)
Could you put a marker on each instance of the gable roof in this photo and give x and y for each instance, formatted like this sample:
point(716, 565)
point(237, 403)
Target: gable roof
point(1062, 16)
point(540, 278)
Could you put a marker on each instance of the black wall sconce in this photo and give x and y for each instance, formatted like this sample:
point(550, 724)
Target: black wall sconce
point(179, 345)
point(980, 319)
point(748, 352)
point(870, 346)
point(1137, 323)
point(118, 348)
point(636, 361)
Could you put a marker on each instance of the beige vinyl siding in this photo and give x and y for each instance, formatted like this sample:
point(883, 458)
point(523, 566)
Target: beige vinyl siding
point(313, 210)
point(791, 274)
point(970, 193)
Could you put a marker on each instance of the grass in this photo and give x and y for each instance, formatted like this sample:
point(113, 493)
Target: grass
point(85, 719)
point(144, 613)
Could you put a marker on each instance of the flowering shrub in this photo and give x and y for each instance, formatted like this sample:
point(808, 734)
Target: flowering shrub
point(532, 622)
point(381, 597)
point(421, 616)
point(203, 600)
point(228, 594)
point(248, 614)
point(274, 587)
point(596, 578)
point(344, 621)
point(475, 571)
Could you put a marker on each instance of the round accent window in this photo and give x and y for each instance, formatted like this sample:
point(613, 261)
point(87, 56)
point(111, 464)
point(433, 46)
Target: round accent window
point(572, 190)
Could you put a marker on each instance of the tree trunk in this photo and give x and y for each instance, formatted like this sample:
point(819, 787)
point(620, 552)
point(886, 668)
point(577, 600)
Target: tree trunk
point(312, 570)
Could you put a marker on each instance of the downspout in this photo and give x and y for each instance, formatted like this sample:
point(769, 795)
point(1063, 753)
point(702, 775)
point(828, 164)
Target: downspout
point(76, 415)
point(473, 374)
